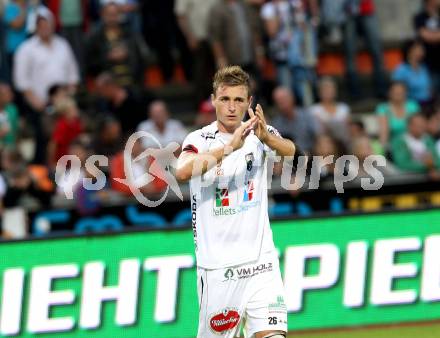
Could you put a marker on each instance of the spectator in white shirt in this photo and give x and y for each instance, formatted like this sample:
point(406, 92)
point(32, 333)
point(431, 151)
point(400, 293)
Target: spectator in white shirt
point(42, 61)
point(164, 129)
point(332, 115)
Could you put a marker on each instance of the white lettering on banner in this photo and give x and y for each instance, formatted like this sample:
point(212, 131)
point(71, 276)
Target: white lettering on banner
point(12, 299)
point(340, 169)
point(68, 178)
point(167, 283)
point(42, 298)
point(125, 293)
point(355, 274)
point(431, 270)
point(97, 173)
point(318, 164)
point(385, 271)
point(377, 179)
point(295, 280)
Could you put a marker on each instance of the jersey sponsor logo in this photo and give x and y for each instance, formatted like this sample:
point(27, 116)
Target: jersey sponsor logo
point(279, 306)
point(249, 161)
point(209, 135)
point(224, 321)
point(194, 219)
point(229, 275)
point(229, 211)
point(247, 272)
point(255, 270)
point(248, 191)
point(221, 197)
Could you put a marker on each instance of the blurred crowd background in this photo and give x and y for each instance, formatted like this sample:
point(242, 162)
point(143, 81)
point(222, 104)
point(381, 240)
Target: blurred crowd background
point(338, 77)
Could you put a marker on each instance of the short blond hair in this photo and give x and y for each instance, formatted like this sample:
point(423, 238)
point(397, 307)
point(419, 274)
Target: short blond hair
point(231, 76)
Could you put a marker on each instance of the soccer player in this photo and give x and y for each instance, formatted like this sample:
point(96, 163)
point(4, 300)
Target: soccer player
point(239, 280)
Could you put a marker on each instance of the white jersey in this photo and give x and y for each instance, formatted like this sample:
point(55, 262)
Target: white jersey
point(229, 215)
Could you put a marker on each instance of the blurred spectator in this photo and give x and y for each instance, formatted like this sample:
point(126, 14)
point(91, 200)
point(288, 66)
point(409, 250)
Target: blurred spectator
point(325, 146)
point(235, 34)
point(68, 127)
point(192, 16)
point(414, 73)
point(206, 114)
point(56, 93)
point(109, 137)
point(292, 122)
point(71, 20)
point(21, 182)
point(82, 152)
point(427, 25)
point(393, 114)
point(22, 186)
point(163, 35)
point(14, 16)
point(87, 202)
point(363, 147)
point(332, 19)
point(113, 48)
point(332, 115)
point(8, 117)
point(357, 130)
point(40, 62)
point(361, 14)
point(291, 27)
point(433, 117)
point(159, 124)
point(130, 13)
point(124, 104)
point(414, 151)
point(138, 169)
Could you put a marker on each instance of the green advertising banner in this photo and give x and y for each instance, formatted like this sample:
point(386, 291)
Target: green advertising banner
point(338, 272)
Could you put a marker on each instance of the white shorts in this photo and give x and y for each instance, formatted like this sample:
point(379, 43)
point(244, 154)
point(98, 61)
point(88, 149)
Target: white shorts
point(249, 296)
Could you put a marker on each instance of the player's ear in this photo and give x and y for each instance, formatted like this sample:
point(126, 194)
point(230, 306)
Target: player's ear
point(212, 98)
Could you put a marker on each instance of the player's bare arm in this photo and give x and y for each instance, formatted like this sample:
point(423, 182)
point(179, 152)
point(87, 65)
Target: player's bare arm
point(205, 161)
point(282, 146)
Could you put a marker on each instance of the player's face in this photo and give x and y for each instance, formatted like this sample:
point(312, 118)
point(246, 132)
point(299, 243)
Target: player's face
point(231, 103)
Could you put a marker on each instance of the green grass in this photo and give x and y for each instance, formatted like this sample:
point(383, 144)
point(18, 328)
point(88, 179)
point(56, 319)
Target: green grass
point(417, 331)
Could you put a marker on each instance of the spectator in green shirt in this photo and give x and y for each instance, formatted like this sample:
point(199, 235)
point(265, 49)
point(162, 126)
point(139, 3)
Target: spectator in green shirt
point(414, 151)
point(393, 114)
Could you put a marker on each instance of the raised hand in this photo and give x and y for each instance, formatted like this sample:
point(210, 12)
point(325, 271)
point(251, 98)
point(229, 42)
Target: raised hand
point(241, 132)
point(261, 126)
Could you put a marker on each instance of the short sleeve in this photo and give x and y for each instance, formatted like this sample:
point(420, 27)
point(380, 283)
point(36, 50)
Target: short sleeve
point(412, 107)
point(194, 143)
point(344, 111)
point(268, 11)
point(382, 109)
